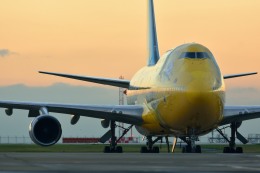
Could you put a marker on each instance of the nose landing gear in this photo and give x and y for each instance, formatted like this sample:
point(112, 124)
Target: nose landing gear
point(191, 147)
point(149, 145)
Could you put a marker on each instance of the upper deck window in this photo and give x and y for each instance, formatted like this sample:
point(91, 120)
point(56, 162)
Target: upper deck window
point(199, 55)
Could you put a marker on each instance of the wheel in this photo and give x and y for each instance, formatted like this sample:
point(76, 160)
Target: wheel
point(226, 150)
point(183, 149)
point(198, 149)
point(119, 149)
point(143, 150)
point(188, 149)
point(239, 150)
point(232, 150)
point(156, 150)
point(107, 149)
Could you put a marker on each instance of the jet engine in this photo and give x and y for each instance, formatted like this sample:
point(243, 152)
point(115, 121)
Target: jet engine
point(45, 130)
point(105, 123)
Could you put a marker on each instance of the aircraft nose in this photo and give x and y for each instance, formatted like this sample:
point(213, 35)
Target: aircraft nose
point(201, 81)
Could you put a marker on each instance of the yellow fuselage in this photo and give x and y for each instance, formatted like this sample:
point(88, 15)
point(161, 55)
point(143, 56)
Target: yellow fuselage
point(183, 92)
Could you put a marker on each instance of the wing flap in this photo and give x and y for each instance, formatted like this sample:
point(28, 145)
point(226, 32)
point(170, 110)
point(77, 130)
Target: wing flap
point(130, 114)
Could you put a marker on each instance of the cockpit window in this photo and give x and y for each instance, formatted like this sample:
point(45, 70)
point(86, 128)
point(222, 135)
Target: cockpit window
point(202, 55)
point(188, 55)
point(199, 55)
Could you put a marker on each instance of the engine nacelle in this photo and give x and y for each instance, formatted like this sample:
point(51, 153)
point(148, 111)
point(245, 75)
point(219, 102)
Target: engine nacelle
point(74, 119)
point(45, 130)
point(105, 123)
point(9, 111)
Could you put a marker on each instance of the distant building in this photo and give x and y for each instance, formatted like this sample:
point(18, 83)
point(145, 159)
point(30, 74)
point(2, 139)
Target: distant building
point(254, 138)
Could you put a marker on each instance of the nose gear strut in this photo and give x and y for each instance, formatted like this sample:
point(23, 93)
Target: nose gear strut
point(191, 147)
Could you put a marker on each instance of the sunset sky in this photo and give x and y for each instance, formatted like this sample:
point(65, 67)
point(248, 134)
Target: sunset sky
point(109, 37)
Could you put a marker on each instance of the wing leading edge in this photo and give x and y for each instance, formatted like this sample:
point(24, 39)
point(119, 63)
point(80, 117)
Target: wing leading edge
point(130, 114)
point(105, 81)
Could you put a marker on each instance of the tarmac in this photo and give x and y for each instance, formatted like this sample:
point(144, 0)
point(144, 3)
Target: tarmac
point(128, 162)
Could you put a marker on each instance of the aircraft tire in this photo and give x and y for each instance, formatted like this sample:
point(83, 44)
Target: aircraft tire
point(143, 150)
point(183, 149)
point(156, 150)
point(232, 150)
point(188, 149)
point(198, 149)
point(226, 150)
point(239, 150)
point(107, 149)
point(119, 149)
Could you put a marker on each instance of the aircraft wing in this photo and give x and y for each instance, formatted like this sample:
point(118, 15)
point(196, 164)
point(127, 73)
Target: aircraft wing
point(130, 114)
point(240, 113)
point(238, 75)
point(105, 81)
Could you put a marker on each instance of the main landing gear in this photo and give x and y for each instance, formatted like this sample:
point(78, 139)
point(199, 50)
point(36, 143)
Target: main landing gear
point(234, 133)
point(113, 148)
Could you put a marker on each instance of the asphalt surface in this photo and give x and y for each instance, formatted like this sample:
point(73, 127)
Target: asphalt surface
point(128, 162)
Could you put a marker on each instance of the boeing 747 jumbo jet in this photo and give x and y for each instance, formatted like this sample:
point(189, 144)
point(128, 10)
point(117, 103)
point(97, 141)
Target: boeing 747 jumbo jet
point(180, 95)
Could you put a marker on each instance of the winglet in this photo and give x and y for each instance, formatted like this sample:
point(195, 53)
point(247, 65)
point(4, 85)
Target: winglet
point(152, 37)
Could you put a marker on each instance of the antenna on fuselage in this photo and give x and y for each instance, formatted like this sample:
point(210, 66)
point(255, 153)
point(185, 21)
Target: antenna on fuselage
point(152, 36)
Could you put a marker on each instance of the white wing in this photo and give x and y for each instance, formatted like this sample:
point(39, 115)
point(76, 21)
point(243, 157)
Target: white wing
point(130, 114)
point(240, 113)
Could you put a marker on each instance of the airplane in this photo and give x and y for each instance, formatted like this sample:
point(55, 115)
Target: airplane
point(180, 94)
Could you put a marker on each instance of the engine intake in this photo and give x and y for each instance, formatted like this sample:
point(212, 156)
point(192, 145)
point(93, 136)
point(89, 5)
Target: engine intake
point(45, 130)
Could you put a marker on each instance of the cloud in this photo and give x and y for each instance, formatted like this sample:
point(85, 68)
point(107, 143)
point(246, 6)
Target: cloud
point(5, 52)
